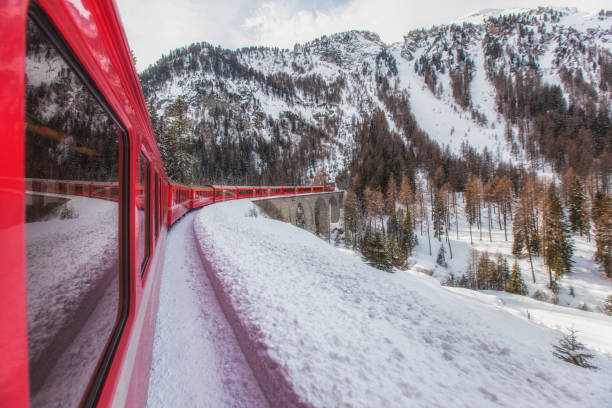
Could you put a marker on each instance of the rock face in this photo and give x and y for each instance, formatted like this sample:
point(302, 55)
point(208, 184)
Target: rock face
point(265, 104)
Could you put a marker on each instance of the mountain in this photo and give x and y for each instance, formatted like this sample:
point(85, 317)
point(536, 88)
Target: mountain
point(495, 91)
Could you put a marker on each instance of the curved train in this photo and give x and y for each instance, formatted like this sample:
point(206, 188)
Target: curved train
point(86, 209)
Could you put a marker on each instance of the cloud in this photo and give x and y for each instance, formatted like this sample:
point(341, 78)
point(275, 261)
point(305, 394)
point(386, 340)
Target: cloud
point(276, 23)
point(155, 27)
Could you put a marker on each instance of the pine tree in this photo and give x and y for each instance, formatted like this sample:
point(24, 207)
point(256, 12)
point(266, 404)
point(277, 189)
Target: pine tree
point(577, 214)
point(406, 195)
point(503, 193)
point(379, 205)
point(439, 213)
point(351, 218)
point(396, 255)
point(472, 201)
point(407, 237)
point(472, 270)
point(177, 141)
point(567, 182)
point(557, 242)
point(391, 196)
point(525, 222)
point(377, 254)
point(515, 283)
point(502, 273)
point(483, 271)
point(489, 192)
point(607, 306)
point(441, 258)
point(393, 225)
point(602, 215)
point(572, 351)
point(365, 242)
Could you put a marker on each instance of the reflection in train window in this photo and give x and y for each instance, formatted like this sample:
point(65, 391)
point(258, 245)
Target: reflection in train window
point(72, 234)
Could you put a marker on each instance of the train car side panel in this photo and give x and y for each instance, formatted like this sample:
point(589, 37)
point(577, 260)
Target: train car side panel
point(13, 332)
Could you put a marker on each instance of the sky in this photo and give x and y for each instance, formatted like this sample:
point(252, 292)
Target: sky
point(155, 27)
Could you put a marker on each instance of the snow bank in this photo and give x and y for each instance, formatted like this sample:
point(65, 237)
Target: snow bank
point(321, 328)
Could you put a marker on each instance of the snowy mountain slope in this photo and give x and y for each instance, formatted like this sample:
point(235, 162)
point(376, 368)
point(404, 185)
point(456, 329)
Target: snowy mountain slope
point(332, 84)
point(344, 334)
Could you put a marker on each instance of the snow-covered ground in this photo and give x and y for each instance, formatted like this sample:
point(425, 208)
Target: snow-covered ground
point(196, 359)
point(341, 333)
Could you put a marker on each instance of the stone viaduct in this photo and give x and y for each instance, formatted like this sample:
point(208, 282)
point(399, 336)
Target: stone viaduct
point(313, 212)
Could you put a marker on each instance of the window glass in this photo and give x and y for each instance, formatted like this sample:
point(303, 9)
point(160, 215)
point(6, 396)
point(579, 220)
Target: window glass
point(156, 205)
point(144, 212)
point(72, 235)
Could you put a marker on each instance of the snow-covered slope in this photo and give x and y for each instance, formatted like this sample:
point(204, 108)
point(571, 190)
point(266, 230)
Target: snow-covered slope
point(332, 83)
point(341, 333)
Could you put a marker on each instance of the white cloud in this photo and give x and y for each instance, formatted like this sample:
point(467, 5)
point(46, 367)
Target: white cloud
point(274, 23)
point(156, 26)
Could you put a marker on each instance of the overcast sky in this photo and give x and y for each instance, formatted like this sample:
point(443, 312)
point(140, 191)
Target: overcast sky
point(155, 27)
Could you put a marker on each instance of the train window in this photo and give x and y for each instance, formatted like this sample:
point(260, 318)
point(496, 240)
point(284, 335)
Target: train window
point(145, 212)
point(156, 205)
point(160, 206)
point(73, 269)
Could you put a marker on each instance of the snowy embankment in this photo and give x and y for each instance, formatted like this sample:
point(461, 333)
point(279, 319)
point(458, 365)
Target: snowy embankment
point(196, 359)
point(321, 328)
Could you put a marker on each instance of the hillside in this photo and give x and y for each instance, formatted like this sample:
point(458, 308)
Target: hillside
point(528, 87)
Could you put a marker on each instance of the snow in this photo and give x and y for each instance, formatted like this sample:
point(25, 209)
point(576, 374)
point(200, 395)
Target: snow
point(480, 16)
point(444, 121)
point(338, 332)
point(196, 359)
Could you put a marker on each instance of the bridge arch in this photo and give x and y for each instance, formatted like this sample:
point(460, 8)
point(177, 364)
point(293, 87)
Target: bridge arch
point(300, 220)
point(334, 209)
point(321, 217)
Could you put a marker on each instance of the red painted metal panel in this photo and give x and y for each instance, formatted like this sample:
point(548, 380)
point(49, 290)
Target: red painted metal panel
point(13, 331)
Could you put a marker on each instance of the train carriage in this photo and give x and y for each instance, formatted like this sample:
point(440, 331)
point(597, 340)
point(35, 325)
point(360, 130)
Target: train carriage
point(81, 177)
point(202, 195)
point(181, 201)
point(86, 209)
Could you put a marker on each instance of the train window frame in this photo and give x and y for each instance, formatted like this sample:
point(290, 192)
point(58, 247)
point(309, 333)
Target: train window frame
point(52, 34)
point(147, 212)
point(156, 198)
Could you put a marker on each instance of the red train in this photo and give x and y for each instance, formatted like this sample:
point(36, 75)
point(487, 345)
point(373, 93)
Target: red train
point(86, 207)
